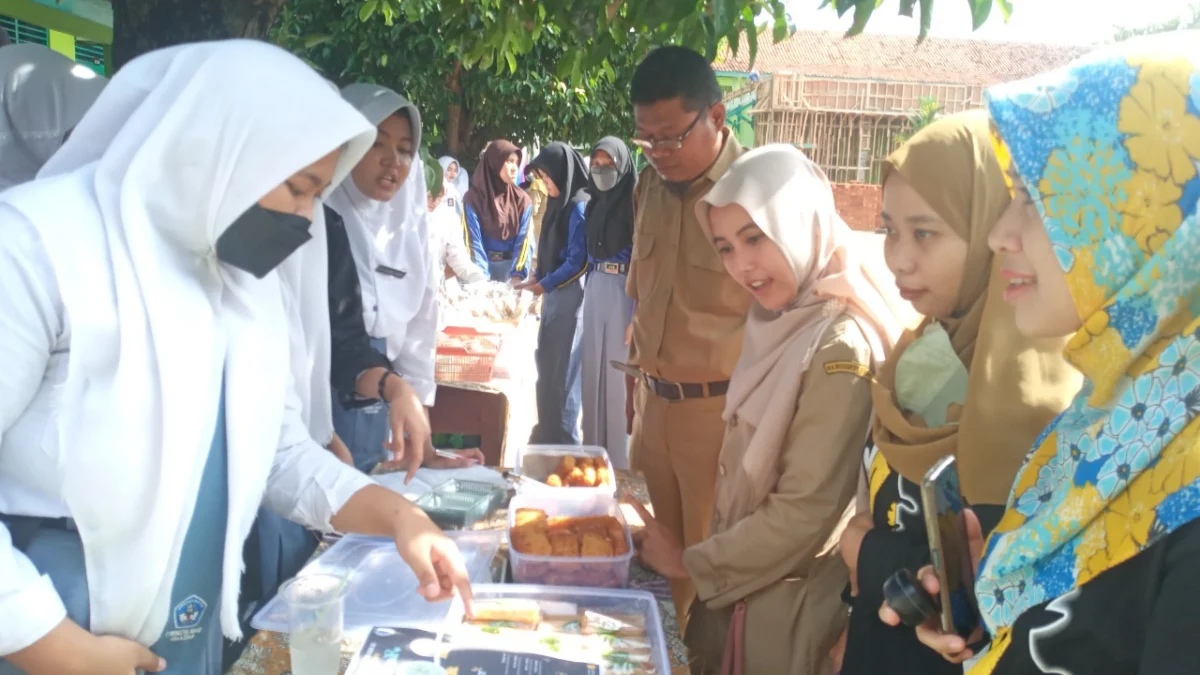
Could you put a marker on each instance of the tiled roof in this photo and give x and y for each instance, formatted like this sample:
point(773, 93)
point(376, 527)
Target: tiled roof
point(900, 58)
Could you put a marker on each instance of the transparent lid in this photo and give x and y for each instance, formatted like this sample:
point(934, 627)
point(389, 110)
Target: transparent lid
point(380, 588)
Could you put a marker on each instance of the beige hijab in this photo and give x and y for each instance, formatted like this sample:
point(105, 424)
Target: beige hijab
point(789, 198)
point(1017, 385)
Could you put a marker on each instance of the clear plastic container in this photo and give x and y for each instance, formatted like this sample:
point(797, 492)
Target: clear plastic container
point(460, 503)
point(315, 613)
point(381, 590)
point(612, 572)
point(555, 600)
point(537, 462)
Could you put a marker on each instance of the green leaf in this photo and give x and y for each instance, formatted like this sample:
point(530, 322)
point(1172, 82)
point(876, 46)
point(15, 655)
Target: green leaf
point(316, 40)
point(980, 9)
point(724, 12)
point(926, 18)
point(1005, 9)
point(844, 6)
point(368, 10)
point(383, 60)
point(862, 12)
point(608, 70)
point(906, 7)
point(781, 24)
point(752, 43)
point(512, 62)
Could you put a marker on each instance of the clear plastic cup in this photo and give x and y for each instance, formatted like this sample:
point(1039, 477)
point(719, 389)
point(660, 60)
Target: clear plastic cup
point(315, 623)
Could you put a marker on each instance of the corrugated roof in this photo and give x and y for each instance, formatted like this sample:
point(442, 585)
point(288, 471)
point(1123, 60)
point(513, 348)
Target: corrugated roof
point(900, 58)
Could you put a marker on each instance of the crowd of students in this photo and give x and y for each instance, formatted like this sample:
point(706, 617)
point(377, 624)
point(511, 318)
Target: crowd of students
point(218, 281)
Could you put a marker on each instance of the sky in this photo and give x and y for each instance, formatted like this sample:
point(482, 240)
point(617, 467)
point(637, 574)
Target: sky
point(1046, 21)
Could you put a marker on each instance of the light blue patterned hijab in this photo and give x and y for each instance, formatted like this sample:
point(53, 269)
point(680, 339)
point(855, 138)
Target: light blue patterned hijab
point(1108, 149)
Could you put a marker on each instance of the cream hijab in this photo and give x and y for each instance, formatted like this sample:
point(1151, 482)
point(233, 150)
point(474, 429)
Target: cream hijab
point(44, 96)
point(180, 143)
point(789, 198)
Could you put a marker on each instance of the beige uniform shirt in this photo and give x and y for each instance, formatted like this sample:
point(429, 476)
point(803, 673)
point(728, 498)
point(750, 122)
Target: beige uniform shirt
point(782, 558)
point(687, 325)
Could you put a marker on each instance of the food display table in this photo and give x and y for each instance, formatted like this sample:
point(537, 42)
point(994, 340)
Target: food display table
point(267, 652)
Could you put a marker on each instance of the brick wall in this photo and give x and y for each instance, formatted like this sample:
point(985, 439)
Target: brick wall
point(858, 204)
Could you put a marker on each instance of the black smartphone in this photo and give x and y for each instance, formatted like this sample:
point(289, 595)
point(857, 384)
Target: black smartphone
point(947, 531)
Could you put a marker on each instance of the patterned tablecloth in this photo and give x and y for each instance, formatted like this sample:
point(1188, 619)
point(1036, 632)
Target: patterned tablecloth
point(267, 652)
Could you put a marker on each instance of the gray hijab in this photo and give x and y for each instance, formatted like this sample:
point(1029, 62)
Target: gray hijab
point(44, 96)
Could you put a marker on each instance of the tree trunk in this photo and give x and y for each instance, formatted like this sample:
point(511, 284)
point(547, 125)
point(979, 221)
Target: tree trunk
point(454, 114)
point(140, 26)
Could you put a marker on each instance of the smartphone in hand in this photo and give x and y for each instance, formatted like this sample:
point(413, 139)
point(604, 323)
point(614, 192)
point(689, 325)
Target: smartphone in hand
point(943, 504)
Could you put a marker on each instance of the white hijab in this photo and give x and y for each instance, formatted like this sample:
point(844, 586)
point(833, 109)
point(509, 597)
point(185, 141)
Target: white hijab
point(462, 181)
point(181, 143)
point(44, 96)
point(304, 281)
point(394, 234)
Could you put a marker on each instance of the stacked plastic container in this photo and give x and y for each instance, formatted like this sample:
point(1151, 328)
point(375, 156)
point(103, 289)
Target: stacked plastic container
point(536, 463)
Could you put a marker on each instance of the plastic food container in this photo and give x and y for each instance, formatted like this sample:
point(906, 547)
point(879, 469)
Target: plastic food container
point(537, 462)
point(655, 659)
point(611, 572)
point(460, 503)
point(381, 590)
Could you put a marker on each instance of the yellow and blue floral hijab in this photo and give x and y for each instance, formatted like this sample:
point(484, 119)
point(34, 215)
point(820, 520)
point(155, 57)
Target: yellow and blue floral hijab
point(1108, 149)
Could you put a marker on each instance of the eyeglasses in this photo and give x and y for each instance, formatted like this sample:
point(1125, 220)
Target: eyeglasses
point(669, 144)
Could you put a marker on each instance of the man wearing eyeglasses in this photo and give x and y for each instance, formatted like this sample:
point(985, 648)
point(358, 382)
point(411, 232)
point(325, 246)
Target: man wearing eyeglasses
point(687, 324)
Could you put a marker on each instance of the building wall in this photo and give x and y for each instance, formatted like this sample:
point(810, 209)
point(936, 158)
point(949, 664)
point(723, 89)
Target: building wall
point(859, 204)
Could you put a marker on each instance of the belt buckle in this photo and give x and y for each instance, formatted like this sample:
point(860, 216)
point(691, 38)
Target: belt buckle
point(609, 268)
point(656, 381)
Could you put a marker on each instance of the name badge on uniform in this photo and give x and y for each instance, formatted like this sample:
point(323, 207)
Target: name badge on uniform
point(391, 271)
point(852, 367)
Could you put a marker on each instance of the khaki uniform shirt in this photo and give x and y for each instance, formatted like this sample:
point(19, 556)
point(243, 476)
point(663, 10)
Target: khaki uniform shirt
point(687, 325)
point(782, 558)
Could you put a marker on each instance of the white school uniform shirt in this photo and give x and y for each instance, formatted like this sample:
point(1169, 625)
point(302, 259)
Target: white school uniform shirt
point(118, 328)
point(394, 236)
point(450, 244)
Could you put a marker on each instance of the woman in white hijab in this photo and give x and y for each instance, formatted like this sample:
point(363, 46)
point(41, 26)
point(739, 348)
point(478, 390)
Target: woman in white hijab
point(44, 96)
point(453, 173)
point(145, 399)
point(385, 209)
point(769, 578)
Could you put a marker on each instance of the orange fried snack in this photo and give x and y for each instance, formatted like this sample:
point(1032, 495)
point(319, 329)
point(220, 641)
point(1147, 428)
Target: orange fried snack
point(565, 465)
point(595, 545)
point(576, 478)
point(589, 476)
point(528, 516)
point(532, 542)
point(554, 480)
point(603, 476)
point(564, 544)
point(585, 463)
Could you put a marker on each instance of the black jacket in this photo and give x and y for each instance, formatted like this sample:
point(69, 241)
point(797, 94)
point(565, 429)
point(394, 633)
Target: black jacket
point(351, 345)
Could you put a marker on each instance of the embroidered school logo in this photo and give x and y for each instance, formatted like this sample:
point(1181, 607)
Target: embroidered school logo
point(189, 612)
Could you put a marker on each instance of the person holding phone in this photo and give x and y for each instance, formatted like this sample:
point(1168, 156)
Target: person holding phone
point(769, 577)
point(1092, 568)
point(963, 383)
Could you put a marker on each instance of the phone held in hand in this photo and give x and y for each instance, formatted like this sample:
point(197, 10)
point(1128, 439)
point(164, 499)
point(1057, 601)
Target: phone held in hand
point(945, 525)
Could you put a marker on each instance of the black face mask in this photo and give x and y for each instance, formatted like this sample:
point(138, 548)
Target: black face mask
point(260, 239)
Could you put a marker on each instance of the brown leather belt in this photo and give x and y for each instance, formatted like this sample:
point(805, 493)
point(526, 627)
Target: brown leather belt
point(679, 391)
